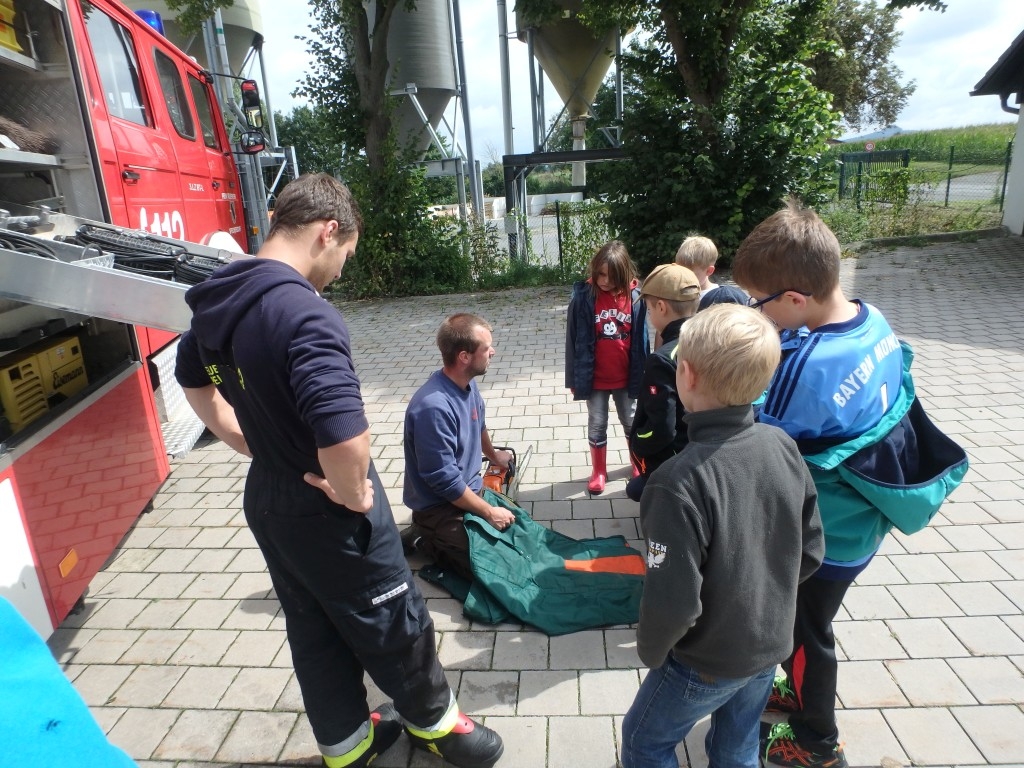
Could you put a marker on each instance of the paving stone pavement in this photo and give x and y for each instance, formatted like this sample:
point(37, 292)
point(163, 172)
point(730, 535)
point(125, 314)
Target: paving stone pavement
point(180, 650)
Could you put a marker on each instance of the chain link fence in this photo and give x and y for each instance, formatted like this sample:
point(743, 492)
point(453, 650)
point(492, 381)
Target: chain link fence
point(564, 235)
point(956, 178)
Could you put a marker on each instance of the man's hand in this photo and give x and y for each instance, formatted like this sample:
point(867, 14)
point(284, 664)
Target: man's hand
point(502, 458)
point(346, 467)
point(500, 518)
point(362, 505)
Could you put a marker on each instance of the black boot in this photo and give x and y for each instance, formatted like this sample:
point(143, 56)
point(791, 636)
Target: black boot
point(468, 745)
point(410, 538)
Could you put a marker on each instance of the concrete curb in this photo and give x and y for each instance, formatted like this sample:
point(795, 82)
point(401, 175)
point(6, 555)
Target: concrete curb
point(860, 246)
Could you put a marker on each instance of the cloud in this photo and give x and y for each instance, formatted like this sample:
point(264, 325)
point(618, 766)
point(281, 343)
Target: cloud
point(946, 53)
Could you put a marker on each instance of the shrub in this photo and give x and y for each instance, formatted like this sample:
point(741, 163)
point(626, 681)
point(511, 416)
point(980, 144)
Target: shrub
point(890, 185)
point(585, 227)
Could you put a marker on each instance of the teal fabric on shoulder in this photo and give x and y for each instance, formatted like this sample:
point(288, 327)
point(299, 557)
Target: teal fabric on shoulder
point(909, 507)
point(43, 720)
point(553, 582)
point(873, 483)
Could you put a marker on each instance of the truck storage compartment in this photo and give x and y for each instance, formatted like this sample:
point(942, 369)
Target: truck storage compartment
point(47, 159)
point(93, 129)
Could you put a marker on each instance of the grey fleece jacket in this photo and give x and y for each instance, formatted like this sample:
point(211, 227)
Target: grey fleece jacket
point(732, 527)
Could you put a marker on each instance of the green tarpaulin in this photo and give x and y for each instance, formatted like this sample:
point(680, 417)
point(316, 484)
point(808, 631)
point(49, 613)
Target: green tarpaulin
point(534, 575)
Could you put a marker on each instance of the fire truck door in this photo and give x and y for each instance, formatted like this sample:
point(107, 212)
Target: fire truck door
point(198, 188)
point(224, 178)
point(146, 162)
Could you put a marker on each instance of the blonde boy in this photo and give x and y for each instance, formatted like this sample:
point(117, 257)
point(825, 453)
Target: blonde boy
point(699, 254)
point(731, 526)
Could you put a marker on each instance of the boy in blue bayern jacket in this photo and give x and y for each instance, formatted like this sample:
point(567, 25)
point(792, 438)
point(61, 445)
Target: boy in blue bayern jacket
point(844, 392)
point(731, 527)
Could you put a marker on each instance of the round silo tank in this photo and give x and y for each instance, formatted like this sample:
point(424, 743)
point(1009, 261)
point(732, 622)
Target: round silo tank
point(421, 52)
point(241, 21)
point(575, 60)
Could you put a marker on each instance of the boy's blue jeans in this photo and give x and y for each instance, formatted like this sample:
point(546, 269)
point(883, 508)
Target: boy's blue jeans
point(671, 701)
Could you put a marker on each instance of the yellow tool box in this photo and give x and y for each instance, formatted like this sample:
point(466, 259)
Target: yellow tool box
point(61, 366)
point(39, 376)
point(21, 392)
point(7, 38)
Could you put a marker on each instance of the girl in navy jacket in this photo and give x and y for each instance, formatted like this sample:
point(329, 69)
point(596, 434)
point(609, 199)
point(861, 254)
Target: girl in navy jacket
point(606, 345)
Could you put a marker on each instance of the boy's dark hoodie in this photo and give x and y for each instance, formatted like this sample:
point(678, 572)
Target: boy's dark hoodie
point(659, 432)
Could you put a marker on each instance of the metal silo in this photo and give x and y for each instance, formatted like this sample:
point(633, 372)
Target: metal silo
point(421, 53)
point(576, 61)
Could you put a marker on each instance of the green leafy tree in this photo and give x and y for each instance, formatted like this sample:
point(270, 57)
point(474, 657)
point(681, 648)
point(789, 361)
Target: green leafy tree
point(349, 73)
point(317, 149)
point(855, 69)
point(853, 64)
point(192, 13)
point(935, 5)
point(726, 121)
point(442, 190)
point(494, 179)
point(403, 250)
point(767, 143)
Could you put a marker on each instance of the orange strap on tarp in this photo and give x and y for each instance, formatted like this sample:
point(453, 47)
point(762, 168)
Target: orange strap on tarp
point(631, 564)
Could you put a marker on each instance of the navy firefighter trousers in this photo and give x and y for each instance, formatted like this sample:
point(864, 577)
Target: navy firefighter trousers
point(350, 605)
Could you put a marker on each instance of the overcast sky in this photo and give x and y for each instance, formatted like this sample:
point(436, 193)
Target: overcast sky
point(945, 53)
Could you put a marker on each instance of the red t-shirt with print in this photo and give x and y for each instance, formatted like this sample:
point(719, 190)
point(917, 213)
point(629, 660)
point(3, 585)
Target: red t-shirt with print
point(613, 321)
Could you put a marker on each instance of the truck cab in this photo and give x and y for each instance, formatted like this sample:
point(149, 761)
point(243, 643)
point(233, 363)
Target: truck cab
point(161, 146)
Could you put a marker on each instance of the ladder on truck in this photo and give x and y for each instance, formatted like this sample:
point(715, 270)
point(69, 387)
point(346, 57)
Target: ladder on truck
point(49, 269)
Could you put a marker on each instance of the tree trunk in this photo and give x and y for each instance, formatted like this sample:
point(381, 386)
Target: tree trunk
point(370, 59)
point(705, 77)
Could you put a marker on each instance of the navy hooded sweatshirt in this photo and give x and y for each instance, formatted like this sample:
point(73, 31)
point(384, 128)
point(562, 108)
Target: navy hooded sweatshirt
point(280, 354)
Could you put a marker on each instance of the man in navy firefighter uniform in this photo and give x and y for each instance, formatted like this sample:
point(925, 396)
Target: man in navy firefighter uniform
point(267, 366)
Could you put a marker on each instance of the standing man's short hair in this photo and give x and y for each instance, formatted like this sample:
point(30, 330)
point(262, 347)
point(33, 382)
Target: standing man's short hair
point(791, 250)
point(457, 334)
point(316, 197)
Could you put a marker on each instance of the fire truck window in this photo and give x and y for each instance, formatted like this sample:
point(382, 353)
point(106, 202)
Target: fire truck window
point(174, 95)
point(201, 97)
point(117, 64)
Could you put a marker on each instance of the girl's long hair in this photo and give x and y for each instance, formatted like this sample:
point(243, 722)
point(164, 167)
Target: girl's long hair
point(621, 271)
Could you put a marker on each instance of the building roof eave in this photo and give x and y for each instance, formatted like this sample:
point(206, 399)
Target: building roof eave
point(1007, 75)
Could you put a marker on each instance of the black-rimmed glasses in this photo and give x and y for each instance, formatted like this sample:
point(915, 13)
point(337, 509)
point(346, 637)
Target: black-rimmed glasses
point(758, 304)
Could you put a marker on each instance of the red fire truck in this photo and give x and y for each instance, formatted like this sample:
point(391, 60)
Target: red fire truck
point(101, 120)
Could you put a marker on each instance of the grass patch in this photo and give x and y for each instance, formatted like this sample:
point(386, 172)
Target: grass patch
point(522, 275)
point(880, 220)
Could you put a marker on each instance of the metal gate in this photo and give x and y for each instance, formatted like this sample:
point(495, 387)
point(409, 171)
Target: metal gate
point(855, 168)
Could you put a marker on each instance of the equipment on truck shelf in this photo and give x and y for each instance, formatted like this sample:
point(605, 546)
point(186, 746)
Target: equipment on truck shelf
point(146, 255)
